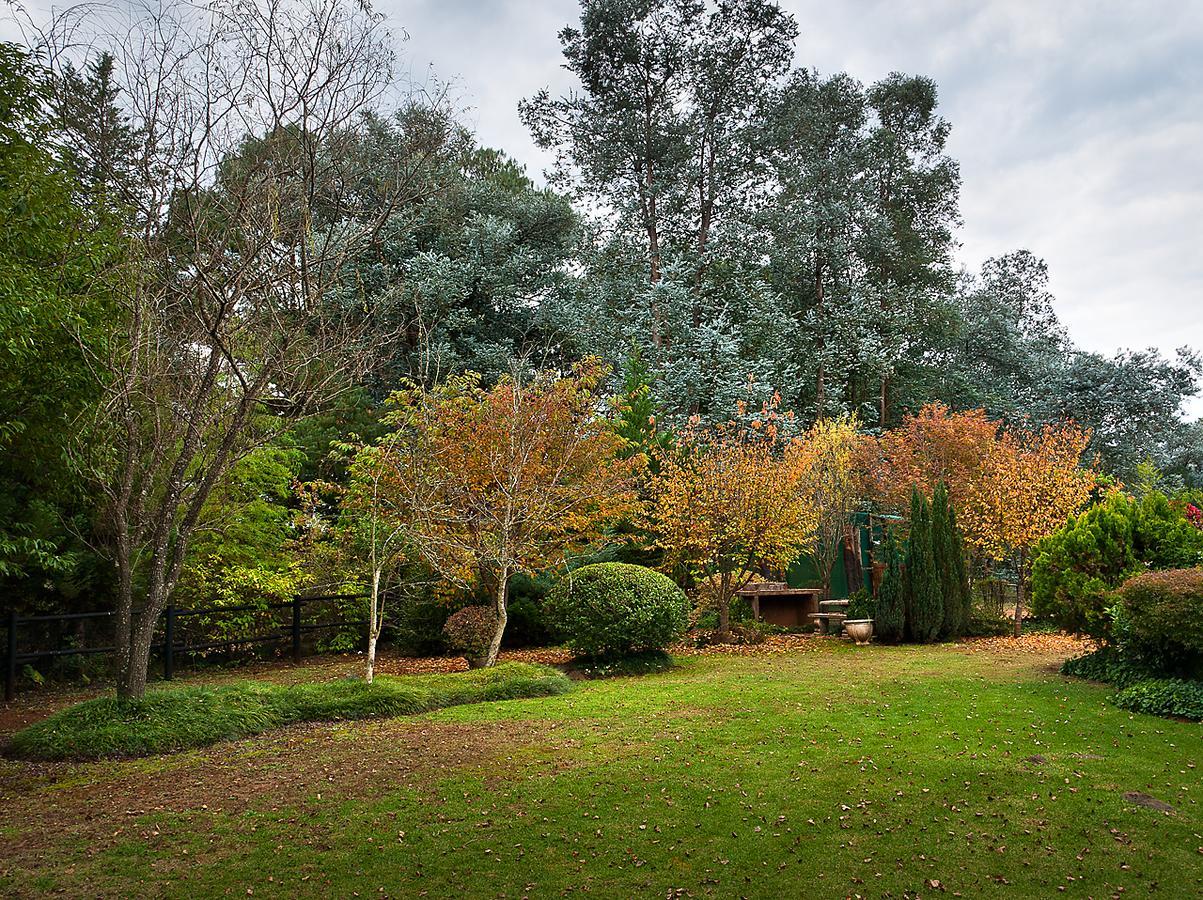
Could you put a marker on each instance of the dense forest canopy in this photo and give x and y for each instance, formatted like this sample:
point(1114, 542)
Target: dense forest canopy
point(734, 225)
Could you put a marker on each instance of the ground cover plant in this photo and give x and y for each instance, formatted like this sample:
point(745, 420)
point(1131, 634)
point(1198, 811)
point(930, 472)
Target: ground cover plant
point(179, 718)
point(975, 768)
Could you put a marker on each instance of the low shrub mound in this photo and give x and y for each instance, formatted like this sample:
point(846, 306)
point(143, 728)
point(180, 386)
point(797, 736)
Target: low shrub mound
point(616, 609)
point(169, 719)
point(1164, 697)
point(1163, 620)
point(469, 632)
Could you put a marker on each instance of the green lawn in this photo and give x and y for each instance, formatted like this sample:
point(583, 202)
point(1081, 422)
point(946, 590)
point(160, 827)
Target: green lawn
point(842, 771)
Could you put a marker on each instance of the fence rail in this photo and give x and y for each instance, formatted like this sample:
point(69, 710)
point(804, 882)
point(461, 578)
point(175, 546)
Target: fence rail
point(169, 648)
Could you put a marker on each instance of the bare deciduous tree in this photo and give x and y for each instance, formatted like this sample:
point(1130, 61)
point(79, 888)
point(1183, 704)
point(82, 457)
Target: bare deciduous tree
point(258, 180)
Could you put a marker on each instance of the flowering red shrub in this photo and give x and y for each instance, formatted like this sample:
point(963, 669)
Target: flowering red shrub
point(1194, 515)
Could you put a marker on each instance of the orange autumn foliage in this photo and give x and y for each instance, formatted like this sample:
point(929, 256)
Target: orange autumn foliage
point(930, 446)
point(830, 475)
point(510, 479)
point(1028, 485)
point(1011, 487)
point(726, 503)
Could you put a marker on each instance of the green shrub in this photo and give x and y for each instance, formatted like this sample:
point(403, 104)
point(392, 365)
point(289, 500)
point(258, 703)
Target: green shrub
point(861, 605)
point(1164, 697)
point(948, 544)
point(889, 612)
point(964, 596)
point(1163, 620)
point(950, 564)
point(416, 625)
point(526, 625)
point(1093, 666)
point(470, 631)
point(614, 609)
point(647, 663)
point(1076, 570)
point(176, 718)
point(924, 600)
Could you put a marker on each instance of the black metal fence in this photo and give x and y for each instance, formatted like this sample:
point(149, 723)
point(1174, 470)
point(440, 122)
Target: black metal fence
point(169, 648)
point(996, 595)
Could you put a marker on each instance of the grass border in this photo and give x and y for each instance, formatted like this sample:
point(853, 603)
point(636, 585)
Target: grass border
point(180, 718)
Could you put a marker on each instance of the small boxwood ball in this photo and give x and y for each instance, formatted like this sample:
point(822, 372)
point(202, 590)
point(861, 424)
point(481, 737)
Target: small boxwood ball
point(614, 609)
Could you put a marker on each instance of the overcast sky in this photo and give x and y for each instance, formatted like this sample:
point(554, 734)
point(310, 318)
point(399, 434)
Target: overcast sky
point(1078, 127)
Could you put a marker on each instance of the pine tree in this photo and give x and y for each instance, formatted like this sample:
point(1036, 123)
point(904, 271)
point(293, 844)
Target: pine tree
point(889, 616)
point(97, 139)
point(638, 412)
point(925, 612)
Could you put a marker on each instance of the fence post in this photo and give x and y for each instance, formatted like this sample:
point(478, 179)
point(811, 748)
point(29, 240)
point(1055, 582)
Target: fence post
point(169, 643)
point(10, 666)
point(296, 629)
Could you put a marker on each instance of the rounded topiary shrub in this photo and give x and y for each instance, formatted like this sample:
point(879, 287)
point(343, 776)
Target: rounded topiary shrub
point(1163, 620)
point(615, 609)
point(469, 632)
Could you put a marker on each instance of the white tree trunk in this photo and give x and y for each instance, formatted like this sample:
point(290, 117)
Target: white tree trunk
point(500, 610)
point(374, 620)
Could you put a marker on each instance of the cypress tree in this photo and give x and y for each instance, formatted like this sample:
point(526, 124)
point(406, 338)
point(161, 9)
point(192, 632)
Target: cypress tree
point(889, 615)
point(945, 550)
point(908, 566)
point(964, 592)
point(926, 614)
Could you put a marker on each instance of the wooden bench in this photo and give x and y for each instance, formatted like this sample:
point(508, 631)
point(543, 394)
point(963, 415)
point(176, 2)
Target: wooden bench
point(780, 604)
point(825, 620)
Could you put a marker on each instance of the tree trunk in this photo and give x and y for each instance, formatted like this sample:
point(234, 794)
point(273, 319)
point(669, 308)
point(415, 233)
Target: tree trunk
point(500, 610)
point(374, 621)
point(881, 416)
point(131, 680)
point(820, 386)
point(724, 604)
point(123, 630)
point(1019, 595)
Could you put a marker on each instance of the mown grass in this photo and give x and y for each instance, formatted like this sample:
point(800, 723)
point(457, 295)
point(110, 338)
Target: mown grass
point(872, 772)
point(178, 718)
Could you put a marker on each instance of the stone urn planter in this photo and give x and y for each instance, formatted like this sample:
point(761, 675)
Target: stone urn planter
point(860, 630)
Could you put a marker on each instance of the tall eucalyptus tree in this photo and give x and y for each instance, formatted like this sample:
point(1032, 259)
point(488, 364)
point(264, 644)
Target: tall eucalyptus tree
point(664, 144)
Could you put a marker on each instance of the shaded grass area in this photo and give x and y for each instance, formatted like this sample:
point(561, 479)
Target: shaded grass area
point(847, 771)
point(646, 663)
point(178, 718)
